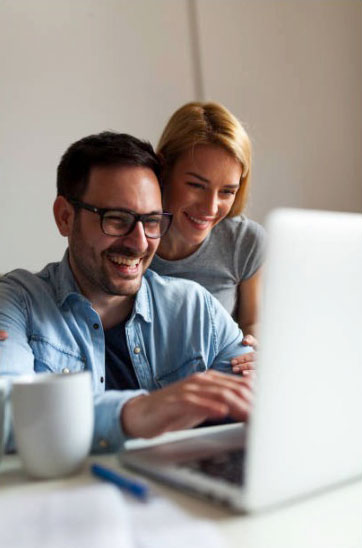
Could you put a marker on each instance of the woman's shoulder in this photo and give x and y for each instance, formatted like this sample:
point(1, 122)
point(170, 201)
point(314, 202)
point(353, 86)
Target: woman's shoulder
point(239, 228)
point(245, 241)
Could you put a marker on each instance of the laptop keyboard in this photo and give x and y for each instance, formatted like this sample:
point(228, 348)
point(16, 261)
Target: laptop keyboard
point(228, 466)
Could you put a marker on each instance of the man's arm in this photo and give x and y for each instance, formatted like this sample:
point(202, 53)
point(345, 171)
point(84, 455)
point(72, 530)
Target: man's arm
point(212, 395)
point(119, 414)
point(17, 358)
point(229, 340)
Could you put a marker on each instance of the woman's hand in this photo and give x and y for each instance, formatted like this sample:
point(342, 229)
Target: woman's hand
point(250, 340)
point(245, 363)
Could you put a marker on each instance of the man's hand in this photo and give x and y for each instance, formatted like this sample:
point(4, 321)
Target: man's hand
point(246, 362)
point(3, 335)
point(184, 404)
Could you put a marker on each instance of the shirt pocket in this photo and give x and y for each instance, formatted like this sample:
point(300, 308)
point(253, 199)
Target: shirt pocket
point(193, 365)
point(53, 358)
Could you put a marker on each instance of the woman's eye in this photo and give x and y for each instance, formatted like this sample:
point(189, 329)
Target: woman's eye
point(228, 192)
point(195, 185)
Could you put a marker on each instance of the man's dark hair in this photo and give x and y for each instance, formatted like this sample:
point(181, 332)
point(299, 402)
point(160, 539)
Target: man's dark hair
point(105, 149)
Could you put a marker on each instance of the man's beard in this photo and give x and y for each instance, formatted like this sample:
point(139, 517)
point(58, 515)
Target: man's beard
point(96, 274)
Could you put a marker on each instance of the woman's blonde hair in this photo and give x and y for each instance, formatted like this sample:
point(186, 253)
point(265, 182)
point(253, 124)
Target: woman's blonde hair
point(207, 124)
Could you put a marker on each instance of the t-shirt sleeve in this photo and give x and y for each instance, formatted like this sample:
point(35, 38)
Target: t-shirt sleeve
point(249, 249)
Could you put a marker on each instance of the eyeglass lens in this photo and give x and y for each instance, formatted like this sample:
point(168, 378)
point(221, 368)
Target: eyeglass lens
point(119, 223)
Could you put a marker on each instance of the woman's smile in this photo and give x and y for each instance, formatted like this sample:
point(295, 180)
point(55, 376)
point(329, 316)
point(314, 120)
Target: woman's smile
point(199, 222)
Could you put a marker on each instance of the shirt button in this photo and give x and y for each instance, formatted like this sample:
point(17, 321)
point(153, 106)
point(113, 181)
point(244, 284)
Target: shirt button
point(136, 350)
point(102, 379)
point(103, 444)
point(65, 371)
point(96, 325)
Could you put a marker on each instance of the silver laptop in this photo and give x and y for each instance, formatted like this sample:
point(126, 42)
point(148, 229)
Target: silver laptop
point(305, 433)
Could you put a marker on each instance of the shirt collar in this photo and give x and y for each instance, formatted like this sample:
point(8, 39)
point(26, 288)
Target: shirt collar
point(65, 282)
point(142, 301)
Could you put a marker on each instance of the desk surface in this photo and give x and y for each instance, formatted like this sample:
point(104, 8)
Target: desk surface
point(332, 519)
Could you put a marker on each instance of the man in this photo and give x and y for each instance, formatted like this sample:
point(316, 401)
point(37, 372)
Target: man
point(145, 339)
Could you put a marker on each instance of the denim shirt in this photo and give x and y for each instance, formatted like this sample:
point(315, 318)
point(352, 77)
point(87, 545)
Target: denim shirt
point(176, 328)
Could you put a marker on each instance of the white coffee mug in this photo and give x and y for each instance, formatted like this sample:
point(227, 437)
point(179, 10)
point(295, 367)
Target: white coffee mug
point(4, 414)
point(53, 422)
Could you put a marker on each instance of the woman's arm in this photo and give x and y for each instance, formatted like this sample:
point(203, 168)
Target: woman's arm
point(249, 297)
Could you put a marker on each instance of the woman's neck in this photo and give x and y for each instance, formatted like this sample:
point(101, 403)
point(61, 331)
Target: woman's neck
point(174, 249)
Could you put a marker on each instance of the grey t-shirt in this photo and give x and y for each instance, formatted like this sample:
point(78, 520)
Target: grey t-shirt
point(231, 253)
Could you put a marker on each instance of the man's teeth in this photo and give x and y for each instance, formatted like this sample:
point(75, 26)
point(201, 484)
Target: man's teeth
point(125, 260)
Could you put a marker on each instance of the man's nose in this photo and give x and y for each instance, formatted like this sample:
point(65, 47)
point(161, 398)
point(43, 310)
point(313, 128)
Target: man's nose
point(136, 239)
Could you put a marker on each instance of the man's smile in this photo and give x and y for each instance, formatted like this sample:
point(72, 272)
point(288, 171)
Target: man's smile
point(124, 264)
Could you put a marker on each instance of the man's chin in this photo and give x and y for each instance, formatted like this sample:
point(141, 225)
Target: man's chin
point(124, 287)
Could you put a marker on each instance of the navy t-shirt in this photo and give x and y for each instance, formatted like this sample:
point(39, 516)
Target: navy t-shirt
point(120, 374)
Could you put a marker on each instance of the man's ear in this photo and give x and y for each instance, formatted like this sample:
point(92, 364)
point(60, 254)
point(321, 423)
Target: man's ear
point(64, 215)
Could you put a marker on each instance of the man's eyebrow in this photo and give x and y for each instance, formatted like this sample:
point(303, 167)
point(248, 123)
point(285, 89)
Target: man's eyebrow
point(155, 212)
point(126, 210)
point(205, 180)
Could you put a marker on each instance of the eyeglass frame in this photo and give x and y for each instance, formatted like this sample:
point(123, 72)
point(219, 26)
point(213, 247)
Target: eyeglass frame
point(137, 217)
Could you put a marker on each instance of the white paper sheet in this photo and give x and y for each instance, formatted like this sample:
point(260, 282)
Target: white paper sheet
point(98, 515)
point(159, 523)
point(90, 516)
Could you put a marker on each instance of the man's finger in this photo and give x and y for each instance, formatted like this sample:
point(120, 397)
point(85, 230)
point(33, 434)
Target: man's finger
point(236, 396)
point(217, 379)
point(216, 404)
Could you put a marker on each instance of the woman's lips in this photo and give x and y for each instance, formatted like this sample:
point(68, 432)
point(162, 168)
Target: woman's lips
point(199, 223)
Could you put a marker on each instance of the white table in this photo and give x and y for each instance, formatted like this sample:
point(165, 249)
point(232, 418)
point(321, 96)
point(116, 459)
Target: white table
point(332, 519)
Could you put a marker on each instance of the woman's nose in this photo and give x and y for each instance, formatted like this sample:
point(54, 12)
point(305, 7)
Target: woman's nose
point(210, 204)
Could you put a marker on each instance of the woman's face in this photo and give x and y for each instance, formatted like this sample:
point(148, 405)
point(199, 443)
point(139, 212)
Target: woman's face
point(200, 191)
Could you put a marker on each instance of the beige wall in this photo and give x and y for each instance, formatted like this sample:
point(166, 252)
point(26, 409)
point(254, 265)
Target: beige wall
point(292, 70)
point(70, 68)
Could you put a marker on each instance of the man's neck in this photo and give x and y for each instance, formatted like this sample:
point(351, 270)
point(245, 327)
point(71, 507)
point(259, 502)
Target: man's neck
point(113, 310)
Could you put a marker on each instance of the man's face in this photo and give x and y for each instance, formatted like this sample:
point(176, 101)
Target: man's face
point(114, 265)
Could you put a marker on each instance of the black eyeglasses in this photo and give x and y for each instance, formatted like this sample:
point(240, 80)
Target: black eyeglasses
point(120, 222)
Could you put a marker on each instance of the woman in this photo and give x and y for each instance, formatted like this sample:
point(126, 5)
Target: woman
point(206, 156)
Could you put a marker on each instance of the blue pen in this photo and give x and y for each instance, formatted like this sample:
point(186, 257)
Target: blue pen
point(138, 490)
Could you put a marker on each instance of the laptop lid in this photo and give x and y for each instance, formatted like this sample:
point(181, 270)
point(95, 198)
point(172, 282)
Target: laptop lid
point(306, 428)
point(305, 431)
